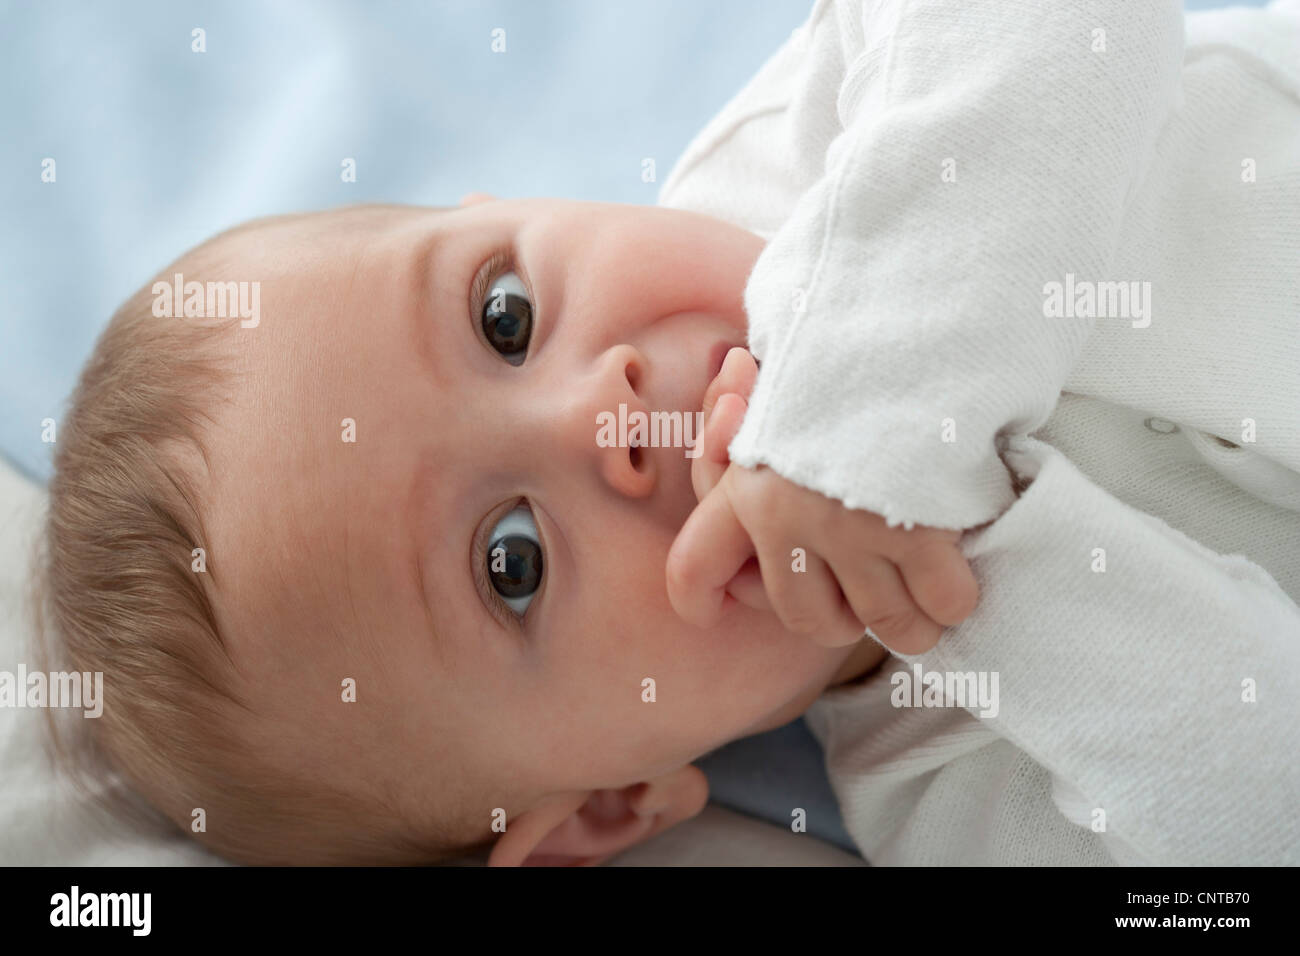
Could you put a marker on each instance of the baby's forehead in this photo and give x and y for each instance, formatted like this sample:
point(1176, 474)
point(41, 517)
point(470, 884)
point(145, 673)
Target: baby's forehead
point(294, 240)
point(309, 434)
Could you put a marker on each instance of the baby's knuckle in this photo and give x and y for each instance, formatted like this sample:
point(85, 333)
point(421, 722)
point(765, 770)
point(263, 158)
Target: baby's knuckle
point(801, 621)
point(828, 516)
point(768, 483)
point(679, 569)
point(753, 496)
point(917, 548)
point(795, 615)
point(961, 601)
point(893, 623)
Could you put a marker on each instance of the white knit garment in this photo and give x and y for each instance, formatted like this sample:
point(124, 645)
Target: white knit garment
point(924, 170)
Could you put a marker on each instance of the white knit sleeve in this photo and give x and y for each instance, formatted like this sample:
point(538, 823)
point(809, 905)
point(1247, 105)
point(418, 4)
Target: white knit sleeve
point(1158, 681)
point(898, 314)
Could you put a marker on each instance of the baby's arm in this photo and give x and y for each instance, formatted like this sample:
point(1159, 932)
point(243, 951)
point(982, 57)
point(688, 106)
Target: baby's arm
point(1157, 680)
point(899, 314)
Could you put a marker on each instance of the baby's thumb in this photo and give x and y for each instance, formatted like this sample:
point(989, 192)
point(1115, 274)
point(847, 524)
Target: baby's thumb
point(942, 583)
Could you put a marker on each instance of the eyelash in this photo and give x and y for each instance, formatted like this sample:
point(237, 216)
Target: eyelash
point(503, 260)
point(479, 559)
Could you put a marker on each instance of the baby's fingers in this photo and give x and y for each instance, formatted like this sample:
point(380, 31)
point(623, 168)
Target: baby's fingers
point(879, 597)
point(737, 375)
point(941, 581)
point(747, 587)
point(806, 597)
point(713, 460)
point(711, 547)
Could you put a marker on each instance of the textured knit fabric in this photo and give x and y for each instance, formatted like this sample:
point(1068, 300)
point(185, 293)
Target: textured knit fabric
point(952, 192)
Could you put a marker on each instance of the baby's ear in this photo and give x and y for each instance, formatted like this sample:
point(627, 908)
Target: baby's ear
point(473, 199)
point(589, 827)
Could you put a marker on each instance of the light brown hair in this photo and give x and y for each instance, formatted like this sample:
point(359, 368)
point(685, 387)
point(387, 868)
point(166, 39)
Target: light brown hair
point(116, 593)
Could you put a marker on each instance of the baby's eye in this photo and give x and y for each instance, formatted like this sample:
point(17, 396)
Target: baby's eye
point(508, 318)
point(515, 559)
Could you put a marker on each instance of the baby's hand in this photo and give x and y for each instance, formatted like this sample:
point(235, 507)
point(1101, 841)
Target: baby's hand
point(825, 570)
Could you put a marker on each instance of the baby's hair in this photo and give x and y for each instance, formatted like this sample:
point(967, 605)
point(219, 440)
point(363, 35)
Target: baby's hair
point(116, 593)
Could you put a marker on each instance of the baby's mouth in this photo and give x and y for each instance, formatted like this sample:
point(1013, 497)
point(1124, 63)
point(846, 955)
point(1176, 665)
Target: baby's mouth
point(717, 355)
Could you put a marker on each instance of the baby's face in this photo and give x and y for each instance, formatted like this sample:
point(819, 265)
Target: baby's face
point(371, 560)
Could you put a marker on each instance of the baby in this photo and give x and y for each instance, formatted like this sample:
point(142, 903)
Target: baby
point(346, 466)
point(366, 588)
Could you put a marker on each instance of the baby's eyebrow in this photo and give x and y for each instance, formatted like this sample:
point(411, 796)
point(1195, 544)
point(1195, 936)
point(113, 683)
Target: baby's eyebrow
point(417, 522)
point(434, 635)
point(421, 293)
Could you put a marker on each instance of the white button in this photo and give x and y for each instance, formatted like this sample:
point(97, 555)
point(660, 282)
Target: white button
point(1160, 425)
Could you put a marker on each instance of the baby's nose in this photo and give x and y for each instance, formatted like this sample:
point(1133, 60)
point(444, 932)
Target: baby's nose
point(610, 429)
